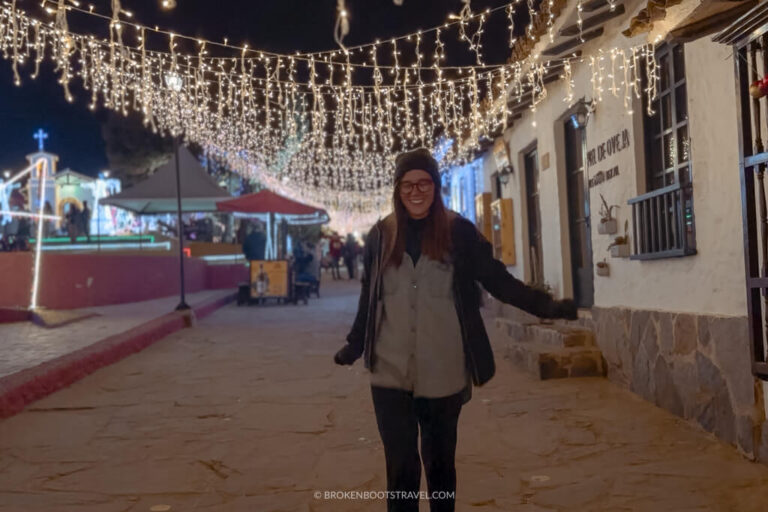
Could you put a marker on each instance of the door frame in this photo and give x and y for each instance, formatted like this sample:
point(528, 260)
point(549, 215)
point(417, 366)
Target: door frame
point(526, 239)
point(580, 106)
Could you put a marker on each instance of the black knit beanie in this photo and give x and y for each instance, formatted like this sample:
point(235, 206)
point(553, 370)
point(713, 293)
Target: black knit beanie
point(419, 158)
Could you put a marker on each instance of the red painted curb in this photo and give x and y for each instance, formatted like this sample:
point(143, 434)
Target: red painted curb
point(10, 315)
point(20, 389)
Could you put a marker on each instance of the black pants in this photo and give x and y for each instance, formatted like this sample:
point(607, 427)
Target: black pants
point(335, 271)
point(399, 416)
point(350, 263)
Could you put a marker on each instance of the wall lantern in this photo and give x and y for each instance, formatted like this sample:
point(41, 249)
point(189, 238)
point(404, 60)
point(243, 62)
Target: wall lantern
point(579, 119)
point(504, 175)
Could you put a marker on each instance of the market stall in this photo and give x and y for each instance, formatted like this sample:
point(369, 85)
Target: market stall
point(272, 277)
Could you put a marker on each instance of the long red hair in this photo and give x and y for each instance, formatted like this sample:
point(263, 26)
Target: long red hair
point(436, 242)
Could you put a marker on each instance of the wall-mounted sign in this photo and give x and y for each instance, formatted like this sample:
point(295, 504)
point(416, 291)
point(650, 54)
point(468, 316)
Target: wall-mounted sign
point(545, 161)
point(501, 153)
point(613, 145)
point(603, 176)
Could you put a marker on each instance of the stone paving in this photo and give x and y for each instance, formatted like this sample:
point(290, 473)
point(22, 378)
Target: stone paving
point(24, 344)
point(246, 412)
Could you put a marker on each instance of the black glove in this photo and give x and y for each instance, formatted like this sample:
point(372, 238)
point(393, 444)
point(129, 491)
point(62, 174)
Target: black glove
point(566, 309)
point(347, 355)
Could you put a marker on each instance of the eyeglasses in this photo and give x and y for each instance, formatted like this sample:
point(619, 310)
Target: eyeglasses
point(406, 187)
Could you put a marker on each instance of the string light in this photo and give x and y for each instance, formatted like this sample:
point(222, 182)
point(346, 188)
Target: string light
point(568, 79)
point(532, 15)
point(580, 20)
point(324, 139)
point(650, 71)
point(42, 175)
point(11, 213)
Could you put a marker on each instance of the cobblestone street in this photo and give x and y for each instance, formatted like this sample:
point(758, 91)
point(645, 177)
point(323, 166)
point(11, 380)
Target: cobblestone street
point(247, 412)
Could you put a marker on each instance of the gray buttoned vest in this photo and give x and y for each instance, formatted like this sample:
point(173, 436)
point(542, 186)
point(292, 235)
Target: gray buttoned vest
point(419, 343)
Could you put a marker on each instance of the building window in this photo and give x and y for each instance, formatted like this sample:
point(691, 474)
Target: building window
point(663, 217)
point(666, 131)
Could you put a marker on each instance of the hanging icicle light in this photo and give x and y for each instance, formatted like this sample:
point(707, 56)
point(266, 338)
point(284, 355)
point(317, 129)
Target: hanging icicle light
point(323, 138)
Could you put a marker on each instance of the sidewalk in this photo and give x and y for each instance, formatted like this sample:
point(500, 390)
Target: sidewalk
point(36, 361)
point(247, 412)
point(24, 344)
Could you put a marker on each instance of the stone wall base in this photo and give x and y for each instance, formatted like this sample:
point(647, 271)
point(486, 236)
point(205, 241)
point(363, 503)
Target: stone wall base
point(695, 366)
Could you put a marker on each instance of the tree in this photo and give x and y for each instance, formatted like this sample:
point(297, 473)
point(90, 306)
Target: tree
point(132, 149)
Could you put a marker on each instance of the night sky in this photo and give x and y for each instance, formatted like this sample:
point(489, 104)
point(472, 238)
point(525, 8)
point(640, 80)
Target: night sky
point(276, 25)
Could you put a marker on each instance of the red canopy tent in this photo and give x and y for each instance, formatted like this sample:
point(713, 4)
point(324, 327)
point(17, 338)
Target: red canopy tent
point(274, 205)
point(267, 201)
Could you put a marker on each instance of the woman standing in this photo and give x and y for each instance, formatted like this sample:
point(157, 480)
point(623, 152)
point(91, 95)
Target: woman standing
point(419, 327)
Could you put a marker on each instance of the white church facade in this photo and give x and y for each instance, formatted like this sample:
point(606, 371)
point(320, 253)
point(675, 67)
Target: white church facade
point(60, 190)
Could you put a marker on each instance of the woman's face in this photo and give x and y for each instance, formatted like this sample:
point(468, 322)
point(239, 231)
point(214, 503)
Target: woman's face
point(417, 191)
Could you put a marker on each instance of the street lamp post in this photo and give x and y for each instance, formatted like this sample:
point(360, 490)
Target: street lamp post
point(183, 304)
point(174, 82)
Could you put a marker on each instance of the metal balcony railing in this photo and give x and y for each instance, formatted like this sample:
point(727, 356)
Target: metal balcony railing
point(663, 223)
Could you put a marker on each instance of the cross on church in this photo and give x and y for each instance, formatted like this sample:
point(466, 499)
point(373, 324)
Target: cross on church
point(40, 135)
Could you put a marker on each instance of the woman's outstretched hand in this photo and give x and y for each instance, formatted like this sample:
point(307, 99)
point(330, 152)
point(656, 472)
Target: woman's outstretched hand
point(346, 355)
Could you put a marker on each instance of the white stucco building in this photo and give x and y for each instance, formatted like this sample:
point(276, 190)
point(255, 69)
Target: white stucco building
point(671, 318)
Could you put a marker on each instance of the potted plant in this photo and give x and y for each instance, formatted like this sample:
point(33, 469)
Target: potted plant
point(620, 246)
point(608, 224)
point(603, 269)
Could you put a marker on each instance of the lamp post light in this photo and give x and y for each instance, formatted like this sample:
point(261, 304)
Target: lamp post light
point(174, 82)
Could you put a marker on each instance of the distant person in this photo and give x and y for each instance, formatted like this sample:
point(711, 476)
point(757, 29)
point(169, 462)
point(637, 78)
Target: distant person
point(334, 250)
point(255, 244)
point(242, 231)
point(301, 258)
point(21, 241)
point(350, 252)
point(9, 230)
point(85, 221)
point(73, 222)
point(49, 225)
point(315, 264)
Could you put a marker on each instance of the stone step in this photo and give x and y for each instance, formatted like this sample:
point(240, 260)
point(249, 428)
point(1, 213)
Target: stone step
point(552, 335)
point(546, 362)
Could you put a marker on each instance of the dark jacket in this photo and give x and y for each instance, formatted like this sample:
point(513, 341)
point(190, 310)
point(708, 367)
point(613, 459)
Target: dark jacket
point(473, 263)
point(255, 245)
